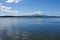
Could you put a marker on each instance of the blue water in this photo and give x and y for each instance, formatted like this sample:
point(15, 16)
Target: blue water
point(29, 28)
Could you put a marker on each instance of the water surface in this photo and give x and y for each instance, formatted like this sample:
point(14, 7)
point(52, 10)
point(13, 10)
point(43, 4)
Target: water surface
point(29, 28)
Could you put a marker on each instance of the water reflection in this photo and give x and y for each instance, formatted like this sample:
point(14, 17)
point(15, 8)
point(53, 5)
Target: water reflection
point(6, 31)
point(7, 23)
point(10, 28)
point(29, 29)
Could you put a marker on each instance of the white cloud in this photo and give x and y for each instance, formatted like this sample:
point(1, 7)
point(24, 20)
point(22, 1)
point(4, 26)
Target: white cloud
point(33, 13)
point(10, 10)
point(13, 1)
point(7, 9)
point(38, 12)
point(0, 3)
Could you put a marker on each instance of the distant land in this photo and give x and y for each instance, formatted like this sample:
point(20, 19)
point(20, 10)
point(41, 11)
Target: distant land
point(42, 16)
point(35, 15)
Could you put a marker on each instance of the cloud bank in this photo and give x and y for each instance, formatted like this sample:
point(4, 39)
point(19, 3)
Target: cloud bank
point(13, 1)
point(34, 12)
point(7, 9)
point(38, 12)
point(10, 10)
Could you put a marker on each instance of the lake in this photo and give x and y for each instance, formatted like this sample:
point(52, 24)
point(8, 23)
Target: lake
point(12, 28)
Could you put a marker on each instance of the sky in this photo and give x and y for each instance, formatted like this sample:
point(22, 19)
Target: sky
point(30, 7)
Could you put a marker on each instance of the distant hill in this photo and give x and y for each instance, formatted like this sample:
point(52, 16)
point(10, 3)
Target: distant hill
point(35, 15)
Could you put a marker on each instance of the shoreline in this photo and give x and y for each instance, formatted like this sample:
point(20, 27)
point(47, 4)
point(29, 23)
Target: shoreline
point(34, 16)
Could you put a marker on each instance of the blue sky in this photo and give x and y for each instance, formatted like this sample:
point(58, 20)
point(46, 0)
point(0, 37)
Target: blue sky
point(29, 7)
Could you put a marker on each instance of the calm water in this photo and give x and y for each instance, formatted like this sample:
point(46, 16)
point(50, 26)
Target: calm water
point(29, 28)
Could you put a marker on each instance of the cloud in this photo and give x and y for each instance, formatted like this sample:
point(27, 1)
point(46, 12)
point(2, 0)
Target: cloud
point(10, 11)
point(13, 1)
point(34, 12)
point(0, 3)
point(37, 12)
point(7, 9)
